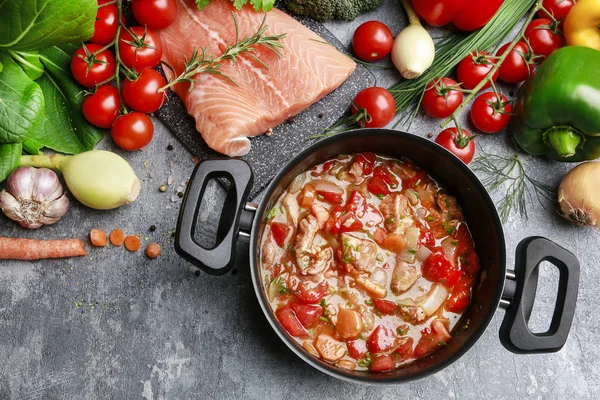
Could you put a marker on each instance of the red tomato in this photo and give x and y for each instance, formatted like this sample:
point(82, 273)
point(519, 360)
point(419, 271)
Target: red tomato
point(544, 36)
point(442, 96)
point(438, 12)
point(557, 8)
point(357, 348)
point(332, 225)
point(88, 68)
point(461, 295)
point(382, 181)
point(140, 48)
point(406, 348)
point(519, 63)
point(385, 306)
point(289, 321)
point(381, 340)
point(331, 197)
point(432, 339)
point(459, 144)
point(311, 296)
point(356, 203)
point(142, 94)
point(426, 238)
point(476, 13)
point(437, 268)
point(464, 241)
point(372, 41)
point(376, 106)
point(474, 68)
point(280, 232)
point(105, 27)
point(132, 131)
point(155, 14)
point(366, 162)
point(490, 114)
point(349, 223)
point(383, 363)
point(469, 263)
point(102, 108)
point(307, 314)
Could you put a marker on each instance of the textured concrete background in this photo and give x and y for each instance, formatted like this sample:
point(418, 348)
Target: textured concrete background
point(115, 325)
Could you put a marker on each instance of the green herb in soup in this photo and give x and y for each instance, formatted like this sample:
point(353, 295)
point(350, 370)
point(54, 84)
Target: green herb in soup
point(368, 263)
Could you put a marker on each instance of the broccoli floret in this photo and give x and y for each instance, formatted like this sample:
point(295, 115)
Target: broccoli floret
point(325, 10)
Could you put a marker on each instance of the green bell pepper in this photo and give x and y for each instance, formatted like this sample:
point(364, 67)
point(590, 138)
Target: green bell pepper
point(557, 113)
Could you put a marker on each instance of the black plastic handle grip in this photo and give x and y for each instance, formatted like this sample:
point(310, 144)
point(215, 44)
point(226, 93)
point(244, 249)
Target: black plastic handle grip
point(515, 334)
point(219, 259)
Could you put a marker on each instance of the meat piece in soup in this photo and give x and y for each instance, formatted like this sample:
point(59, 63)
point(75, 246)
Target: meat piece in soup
point(367, 262)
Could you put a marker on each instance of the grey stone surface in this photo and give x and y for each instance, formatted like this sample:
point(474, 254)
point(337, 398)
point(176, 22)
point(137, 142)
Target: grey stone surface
point(115, 325)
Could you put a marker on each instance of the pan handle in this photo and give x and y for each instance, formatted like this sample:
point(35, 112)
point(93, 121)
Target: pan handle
point(219, 259)
point(520, 293)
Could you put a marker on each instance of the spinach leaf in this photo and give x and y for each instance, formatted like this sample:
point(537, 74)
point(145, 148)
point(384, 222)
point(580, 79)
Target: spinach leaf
point(10, 154)
point(29, 62)
point(62, 127)
point(21, 102)
point(36, 24)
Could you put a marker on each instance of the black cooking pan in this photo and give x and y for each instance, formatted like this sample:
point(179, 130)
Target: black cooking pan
point(513, 290)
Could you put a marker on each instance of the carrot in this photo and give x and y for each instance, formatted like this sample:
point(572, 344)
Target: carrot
point(98, 237)
point(132, 243)
point(32, 249)
point(117, 237)
point(153, 250)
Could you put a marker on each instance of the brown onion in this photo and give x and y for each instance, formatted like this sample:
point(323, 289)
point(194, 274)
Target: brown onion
point(578, 195)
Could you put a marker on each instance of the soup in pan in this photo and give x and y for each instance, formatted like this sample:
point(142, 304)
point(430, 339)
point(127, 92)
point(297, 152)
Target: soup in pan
point(367, 262)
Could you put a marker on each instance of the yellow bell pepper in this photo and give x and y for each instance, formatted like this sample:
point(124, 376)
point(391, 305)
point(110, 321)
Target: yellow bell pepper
point(582, 25)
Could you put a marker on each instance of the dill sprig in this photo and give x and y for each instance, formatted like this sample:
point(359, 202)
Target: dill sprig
point(508, 172)
point(201, 62)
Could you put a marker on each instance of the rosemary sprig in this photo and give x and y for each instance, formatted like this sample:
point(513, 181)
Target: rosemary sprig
point(201, 62)
point(509, 171)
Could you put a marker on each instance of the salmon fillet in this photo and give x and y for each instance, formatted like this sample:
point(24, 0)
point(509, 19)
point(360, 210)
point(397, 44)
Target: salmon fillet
point(226, 114)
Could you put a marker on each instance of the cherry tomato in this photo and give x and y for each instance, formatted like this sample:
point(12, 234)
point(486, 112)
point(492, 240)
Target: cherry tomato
point(383, 363)
point(385, 306)
point(442, 96)
point(280, 232)
point(557, 8)
point(378, 106)
point(437, 268)
point(89, 69)
point(544, 36)
point(101, 108)
point(357, 348)
point(476, 13)
point(489, 113)
point(288, 320)
point(140, 48)
point(474, 68)
point(461, 295)
point(132, 131)
point(142, 94)
point(372, 41)
point(307, 314)
point(382, 339)
point(459, 144)
point(519, 63)
point(155, 14)
point(311, 296)
point(105, 27)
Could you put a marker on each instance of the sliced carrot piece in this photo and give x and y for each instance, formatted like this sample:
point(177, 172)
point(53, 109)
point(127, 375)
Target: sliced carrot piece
point(153, 250)
point(98, 238)
point(117, 237)
point(132, 243)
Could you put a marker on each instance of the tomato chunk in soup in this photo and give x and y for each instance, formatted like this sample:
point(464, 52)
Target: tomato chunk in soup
point(367, 262)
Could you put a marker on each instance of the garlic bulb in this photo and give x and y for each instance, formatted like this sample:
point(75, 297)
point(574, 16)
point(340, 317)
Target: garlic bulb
point(33, 197)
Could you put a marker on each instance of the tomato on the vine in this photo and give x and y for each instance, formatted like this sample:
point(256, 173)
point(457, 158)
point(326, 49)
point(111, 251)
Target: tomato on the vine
point(474, 68)
point(132, 131)
point(140, 48)
point(88, 68)
point(489, 113)
point(557, 8)
point(155, 14)
point(476, 13)
point(518, 65)
point(142, 94)
point(375, 107)
point(105, 27)
point(442, 97)
point(372, 41)
point(458, 142)
point(544, 36)
point(101, 108)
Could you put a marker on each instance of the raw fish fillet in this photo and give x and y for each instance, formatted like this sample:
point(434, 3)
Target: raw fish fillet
point(227, 114)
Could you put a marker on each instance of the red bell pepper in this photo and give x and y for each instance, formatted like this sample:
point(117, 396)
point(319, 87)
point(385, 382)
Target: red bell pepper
point(468, 15)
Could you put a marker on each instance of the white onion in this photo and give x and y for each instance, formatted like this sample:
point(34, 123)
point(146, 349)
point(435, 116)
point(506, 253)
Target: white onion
point(434, 299)
point(297, 183)
point(422, 212)
point(412, 234)
point(326, 186)
point(423, 254)
point(449, 246)
point(380, 276)
point(412, 196)
point(407, 255)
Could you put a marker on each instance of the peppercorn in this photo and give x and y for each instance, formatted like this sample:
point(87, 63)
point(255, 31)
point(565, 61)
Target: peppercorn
point(170, 147)
point(153, 228)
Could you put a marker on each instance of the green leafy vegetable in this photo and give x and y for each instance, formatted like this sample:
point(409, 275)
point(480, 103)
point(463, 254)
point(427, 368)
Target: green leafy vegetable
point(9, 158)
point(21, 102)
point(36, 24)
point(259, 5)
point(29, 62)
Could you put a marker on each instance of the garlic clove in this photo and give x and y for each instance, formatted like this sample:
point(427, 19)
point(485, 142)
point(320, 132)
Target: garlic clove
point(10, 206)
point(46, 186)
point(56, 209)
point(20, 183)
